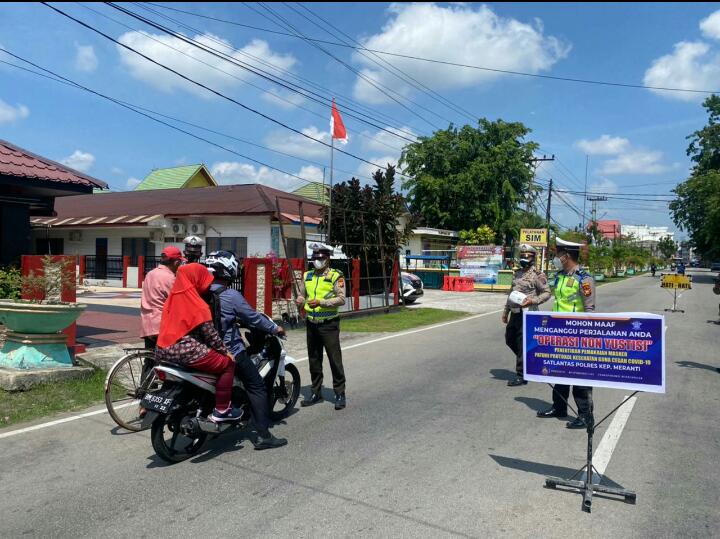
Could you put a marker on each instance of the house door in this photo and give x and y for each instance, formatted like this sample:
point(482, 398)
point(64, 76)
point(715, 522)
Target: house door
point(49, 246)
point(101, 252)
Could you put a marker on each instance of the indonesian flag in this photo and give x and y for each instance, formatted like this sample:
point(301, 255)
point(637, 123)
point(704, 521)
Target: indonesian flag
point(337, 127)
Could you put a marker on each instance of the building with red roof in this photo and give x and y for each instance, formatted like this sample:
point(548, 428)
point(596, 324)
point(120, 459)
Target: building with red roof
point(29, 185)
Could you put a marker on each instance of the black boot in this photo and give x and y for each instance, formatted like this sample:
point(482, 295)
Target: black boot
point(517, 381)
point(265, 440)
point(316, 398)
point(551, 412)
point(340, 401)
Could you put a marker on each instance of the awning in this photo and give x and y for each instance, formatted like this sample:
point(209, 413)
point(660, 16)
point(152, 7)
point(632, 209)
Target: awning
point(89, 222)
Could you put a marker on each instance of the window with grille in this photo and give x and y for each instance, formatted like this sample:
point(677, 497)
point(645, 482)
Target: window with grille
point(237, 246)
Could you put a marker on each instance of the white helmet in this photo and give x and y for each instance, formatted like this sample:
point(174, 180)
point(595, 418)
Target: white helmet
point(222, 264)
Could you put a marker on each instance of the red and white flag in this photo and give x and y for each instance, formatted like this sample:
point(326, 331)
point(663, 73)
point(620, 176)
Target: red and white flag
point(337, 127)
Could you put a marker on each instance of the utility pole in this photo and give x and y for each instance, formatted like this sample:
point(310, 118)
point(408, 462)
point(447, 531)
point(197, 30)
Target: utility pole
point(547, 226)
point(535, 162)
point(595, 199)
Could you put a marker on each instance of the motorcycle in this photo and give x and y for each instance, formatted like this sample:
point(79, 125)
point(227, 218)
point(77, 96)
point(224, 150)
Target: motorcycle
point(178, 412)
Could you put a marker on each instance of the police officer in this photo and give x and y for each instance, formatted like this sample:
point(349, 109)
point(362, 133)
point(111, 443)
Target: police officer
point(322, 293)
point(574, 291)
point(532, 282)
point(193, 248)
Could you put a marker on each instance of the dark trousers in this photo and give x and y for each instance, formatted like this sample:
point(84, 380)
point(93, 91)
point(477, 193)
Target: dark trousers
point(581, 394)
point(514, 339)
point(246, 370)
point(325, 335)
point(148, 363)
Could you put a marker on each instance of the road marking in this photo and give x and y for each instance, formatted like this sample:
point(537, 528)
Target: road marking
point(604, 451)
point(60, 421)
point(371, 341)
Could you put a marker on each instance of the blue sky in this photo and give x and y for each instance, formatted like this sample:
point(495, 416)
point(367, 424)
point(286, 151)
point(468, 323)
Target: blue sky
point(635, 138)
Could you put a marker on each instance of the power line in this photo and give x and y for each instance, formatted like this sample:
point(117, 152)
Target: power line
point(253, 69)
point(213, 91)
point(449, 63)
point(341, 99)
point(381, 88)
point(69, 82)
point(384, 64)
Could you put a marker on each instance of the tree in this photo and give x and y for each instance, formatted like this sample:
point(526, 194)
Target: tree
point(366, 219)
point(482, 235)
point(667, 247)
point(472, 176)
point(696, 208)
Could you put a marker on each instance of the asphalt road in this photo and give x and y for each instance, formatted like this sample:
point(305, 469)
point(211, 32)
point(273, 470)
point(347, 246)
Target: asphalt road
point(432, 444)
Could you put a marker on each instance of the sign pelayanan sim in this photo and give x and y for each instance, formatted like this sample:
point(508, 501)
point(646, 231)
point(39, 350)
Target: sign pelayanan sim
point(537, 237)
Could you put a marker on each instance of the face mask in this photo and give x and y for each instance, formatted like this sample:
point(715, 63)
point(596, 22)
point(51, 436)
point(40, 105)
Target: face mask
point(557, 263)
point(319, 264)
point(525, 262)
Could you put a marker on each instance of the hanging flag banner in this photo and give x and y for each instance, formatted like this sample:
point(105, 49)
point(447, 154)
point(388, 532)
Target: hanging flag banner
point(337, 127)
point(481, 262)
point(616, 350)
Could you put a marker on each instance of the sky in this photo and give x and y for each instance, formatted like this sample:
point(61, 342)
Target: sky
point(634, 139)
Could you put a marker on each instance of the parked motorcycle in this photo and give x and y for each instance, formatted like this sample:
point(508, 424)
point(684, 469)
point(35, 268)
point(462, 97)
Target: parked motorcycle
point(179, 411)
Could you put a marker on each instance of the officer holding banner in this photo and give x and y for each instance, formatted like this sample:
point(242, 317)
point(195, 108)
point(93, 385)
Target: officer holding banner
point(574, 291)
point(529, 289)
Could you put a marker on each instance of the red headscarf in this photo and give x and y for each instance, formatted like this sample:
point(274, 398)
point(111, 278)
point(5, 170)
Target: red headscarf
point(184, 309)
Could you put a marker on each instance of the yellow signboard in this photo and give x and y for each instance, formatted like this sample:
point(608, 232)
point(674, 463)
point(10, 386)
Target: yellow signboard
point(674, 280)
point(537, 237)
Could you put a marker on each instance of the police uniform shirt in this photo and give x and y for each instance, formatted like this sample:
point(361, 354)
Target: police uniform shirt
point(338, 289)
point(533, 284)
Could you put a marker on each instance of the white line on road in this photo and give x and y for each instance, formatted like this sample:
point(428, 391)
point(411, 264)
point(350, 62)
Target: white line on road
point(60, 421)
point(364, 343)
point(604, 451)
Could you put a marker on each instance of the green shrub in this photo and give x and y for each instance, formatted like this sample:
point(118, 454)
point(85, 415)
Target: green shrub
point(10, 283)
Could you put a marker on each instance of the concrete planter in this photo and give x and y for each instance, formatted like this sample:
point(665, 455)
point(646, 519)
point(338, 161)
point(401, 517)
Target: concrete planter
point(31, 318)
point(34, 340)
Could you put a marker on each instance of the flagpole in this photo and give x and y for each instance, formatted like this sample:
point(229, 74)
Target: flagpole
point(332, 152)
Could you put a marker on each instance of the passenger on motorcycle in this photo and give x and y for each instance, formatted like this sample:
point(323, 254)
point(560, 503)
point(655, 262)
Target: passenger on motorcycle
point(188, 337)
point(232, 309)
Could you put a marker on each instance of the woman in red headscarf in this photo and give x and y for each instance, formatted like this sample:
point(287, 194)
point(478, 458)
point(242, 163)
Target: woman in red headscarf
point(188, 337)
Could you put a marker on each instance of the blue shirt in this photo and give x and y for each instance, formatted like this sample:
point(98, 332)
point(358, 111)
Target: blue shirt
point(234, 308)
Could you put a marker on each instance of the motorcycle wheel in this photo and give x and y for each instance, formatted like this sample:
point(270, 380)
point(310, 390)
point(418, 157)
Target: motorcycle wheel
point(285, 393)
point(170, 444)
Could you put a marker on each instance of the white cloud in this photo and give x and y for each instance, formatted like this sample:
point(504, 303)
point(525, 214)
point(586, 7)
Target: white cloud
point(710, 25)
point(185, 60)
point(85, 59)
point(116, 170)
point(458, 33)
point(382, 141)
point(604, 186)
point(233, 172)
point(132, 183)
point(9, 114)
point(79, 160)
point(691, 65)
point(299, 145)
point(635, 162)
point(605, 145)
point(284, 100)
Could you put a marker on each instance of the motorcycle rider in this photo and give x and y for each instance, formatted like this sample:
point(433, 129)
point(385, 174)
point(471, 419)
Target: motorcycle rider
point(188, 337)
point(234, 308)
point(653, 269)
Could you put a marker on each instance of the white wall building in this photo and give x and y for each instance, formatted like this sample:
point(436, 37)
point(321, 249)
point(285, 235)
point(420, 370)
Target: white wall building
point(647, 233)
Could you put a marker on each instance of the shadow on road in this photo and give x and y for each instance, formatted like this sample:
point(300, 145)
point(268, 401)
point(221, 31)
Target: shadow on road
point(695, 365)
point(502, 374)
point(534, 404)
point(547, 470)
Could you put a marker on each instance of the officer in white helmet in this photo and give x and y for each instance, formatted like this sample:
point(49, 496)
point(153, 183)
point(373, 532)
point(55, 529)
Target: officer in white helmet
point(193, 248)
point(529, 289)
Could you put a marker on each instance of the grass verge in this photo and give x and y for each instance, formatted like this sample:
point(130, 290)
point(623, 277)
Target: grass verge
point(400, 320)
point(48, 399)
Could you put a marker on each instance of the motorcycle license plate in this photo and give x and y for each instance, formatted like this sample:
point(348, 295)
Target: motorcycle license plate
point(159, 401)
